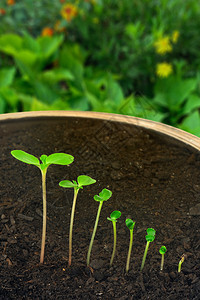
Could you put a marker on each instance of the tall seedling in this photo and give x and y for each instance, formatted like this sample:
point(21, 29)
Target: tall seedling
point(104, 195)
point(113, 218)
point(46, 161)
point(82, 180)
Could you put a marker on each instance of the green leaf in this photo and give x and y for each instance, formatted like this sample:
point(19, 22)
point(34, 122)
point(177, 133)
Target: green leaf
point(67, 184)
point(151, 231)
point(150, 235)
point(7, 76)
point(104, 195)
point(43, 159)
point(85, 180)
point(25, 157)
point(163, 250)
point(130, 224)
point(150, 238)
point(116, 214)
point(59, 159)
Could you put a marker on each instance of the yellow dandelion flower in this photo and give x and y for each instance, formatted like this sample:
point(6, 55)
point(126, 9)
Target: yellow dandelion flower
point(69, 11)
point(175, 36)
point(164, 69)
point(163, 45)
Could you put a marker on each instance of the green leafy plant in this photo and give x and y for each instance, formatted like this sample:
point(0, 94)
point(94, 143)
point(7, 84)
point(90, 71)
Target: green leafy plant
point(46, 161)
point(180, 262)
point(82, 180)
point(104, 195)
point(149, 238)
point(113, 218)
point(130, 224)
point(162, 251)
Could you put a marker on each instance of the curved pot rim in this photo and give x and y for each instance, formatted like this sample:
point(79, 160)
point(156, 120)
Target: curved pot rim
point(168, 130)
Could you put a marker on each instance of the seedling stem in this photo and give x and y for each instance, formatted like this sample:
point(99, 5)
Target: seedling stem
point(104, 195)
point(180, 262)
point(113, 218)
point(149, 238)
point(130, 224)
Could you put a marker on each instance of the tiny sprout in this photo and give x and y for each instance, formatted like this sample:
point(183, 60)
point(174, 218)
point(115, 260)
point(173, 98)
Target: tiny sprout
point(162, 251)
point(130, 224)
point(82, 180)
point(46, 161)
point(113, 218)
point(180, 262)
point(104, 195)
point(149, 238)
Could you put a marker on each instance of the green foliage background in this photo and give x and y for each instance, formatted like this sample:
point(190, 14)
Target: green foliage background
point(103, 60)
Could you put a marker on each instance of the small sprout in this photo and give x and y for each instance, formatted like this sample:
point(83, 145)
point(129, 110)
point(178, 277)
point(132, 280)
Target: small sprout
point(82, 180)
point(104, 195)
point(46, 161)
point(130, 224)
point(162, 251)
point(180, 262)
point(113, 218)
point(149, 238)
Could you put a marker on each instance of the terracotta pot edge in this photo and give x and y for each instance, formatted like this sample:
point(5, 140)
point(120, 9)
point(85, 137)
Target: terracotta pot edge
point(171, 131)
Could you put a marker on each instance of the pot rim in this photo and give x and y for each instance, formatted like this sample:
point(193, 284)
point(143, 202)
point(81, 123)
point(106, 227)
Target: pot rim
point(168, 130)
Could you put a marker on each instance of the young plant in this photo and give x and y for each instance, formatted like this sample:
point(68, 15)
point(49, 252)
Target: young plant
point(113, 218)
point(149, 238)
point(162, 251)
point(180, 262)
point(46, 161)
point(104, 195)
point(82, 180)
point(130, 224)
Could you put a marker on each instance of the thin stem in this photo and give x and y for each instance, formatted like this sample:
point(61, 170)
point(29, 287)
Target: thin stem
point(94, 232)
point(114, 242)
point(71, 225)
point(144, 257)
point(129, 250)
point(44, 215)
point(162, 262)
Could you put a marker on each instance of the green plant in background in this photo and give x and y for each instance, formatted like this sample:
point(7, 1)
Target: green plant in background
point(82, 180)
point(149, 238)
point(46, 161)
point(162, 251)
point(130, 224)
point(104, 195)
point(113, 218)
point(180, 262)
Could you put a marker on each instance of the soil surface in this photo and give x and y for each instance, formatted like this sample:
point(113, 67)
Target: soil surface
point(155, 181)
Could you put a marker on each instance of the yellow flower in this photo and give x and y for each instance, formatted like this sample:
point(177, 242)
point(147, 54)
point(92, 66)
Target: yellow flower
point(163, 45)
point(69, 11)
point(175, 36)
point(164, 69)
point(47, 31)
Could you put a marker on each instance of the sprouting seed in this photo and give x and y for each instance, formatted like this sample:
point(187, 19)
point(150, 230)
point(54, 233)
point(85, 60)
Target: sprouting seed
point(149, 238)
point(180, 262)
point(113, 218)
point(46, 161)
point(82, 180)
point(130, 224)
point(162, 251)
point(104, 195)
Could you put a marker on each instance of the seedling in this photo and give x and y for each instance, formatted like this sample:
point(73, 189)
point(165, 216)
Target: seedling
point(180, 262)
point(82, 180)
point(130, 224)
point(162, 251)
point(104, 195)
point(113, 218)
point(46, 161)
point(149, 238)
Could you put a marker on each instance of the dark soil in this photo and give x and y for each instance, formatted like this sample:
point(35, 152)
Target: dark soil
point(154, 180)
